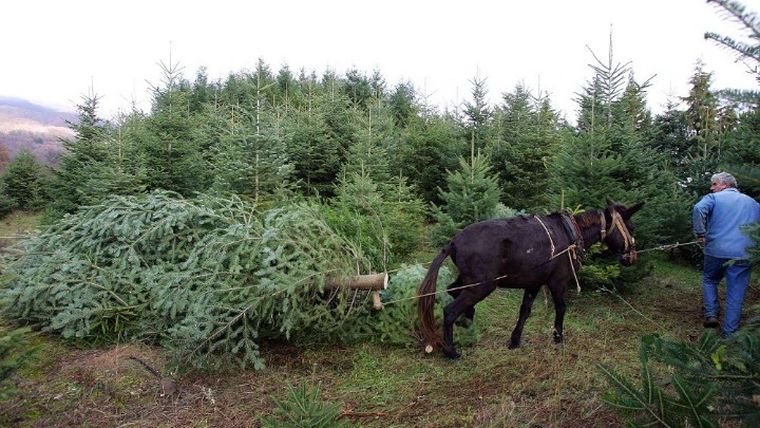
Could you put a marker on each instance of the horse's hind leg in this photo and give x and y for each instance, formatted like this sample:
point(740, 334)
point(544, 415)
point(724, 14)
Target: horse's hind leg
point(468, 316)
point(464, 302)
point(557, 289)
point(527, 303)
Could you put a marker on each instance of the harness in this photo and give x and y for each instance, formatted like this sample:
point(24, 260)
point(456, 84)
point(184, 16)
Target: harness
point(629, 243)
point(576, 238)
point(572, 230)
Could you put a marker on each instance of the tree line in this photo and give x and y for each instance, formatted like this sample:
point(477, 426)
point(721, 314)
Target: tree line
point(357, 143)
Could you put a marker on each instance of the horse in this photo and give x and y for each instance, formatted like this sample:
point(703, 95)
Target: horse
point(520, 252)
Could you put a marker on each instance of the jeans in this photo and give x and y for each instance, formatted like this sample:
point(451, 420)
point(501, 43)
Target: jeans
point(737, 274)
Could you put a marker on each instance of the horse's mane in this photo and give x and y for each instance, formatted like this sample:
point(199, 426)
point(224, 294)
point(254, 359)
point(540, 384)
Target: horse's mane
point(588, 219)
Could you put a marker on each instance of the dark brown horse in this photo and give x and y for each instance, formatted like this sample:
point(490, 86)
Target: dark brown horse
point(521, 252)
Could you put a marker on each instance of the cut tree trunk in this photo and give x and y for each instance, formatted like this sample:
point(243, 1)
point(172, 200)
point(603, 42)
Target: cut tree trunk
point(375, 281)
point(372, 282)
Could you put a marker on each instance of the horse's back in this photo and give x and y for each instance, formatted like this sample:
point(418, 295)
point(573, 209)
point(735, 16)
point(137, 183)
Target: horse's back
point(517, 248)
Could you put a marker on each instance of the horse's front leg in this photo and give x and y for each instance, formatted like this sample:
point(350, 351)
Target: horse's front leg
point(527, 303)
point(557, 289)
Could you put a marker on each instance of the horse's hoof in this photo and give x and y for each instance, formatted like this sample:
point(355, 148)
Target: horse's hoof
point(558, 338)
point(452, 355)
point(513, 345)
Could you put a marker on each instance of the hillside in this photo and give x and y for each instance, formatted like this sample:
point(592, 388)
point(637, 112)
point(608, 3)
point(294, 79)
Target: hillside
point(28, 126)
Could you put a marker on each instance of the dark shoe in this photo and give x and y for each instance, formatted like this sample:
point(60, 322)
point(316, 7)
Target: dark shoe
point(711, 322)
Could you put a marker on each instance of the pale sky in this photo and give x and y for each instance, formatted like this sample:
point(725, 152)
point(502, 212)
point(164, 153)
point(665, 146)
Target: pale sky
point(53, 50)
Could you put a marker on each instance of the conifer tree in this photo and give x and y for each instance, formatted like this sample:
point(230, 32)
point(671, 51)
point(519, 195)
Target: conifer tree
point(670, 136)
point(315, 154)
point(702, 112)
point(173, 157)
point(358, 89)
point(367, 157)
point(5, 157)
point(402, 104)
point(478, 114)
point(24, 182)
point(429, 149)
point(472, 194)
point(85, 157)
point(249, 159)
point(611, 157)
point(529, 135)
point(745, 50)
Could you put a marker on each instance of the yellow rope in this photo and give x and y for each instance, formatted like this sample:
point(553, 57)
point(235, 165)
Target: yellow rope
point(551, 242)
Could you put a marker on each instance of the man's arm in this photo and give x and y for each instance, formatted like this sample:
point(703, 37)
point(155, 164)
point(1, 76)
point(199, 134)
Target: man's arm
point(699, 217)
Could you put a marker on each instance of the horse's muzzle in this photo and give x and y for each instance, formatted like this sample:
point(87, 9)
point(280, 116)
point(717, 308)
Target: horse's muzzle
point(629, 258)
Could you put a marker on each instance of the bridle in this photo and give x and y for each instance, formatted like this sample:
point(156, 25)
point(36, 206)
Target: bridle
point(617, 222)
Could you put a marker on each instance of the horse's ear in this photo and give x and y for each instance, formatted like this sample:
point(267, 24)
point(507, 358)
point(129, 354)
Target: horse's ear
point(632, 210)
point(609, 201)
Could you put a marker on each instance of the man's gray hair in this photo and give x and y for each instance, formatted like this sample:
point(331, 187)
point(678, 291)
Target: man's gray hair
point(724, 178)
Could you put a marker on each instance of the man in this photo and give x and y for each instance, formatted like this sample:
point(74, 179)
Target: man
point(718, 219)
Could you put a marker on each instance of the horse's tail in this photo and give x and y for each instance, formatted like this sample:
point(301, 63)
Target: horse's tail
point(426, 300)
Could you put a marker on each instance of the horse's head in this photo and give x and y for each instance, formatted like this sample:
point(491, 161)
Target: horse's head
point(617, 231)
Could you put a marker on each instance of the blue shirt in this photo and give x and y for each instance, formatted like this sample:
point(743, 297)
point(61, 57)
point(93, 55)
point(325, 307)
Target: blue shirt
point(719, 216)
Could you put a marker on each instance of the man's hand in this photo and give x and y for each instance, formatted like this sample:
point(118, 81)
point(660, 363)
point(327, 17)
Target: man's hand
point(701, 240)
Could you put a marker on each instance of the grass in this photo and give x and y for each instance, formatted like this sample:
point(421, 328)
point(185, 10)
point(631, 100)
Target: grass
point(539, 384)
point(16, 225)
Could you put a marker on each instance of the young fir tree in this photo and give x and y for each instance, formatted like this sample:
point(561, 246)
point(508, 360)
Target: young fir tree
point(5, 157)
point(84, 156)
point(702, 113)
point(24, 183)
point(357, 89)
point(428, 149)
point(611, 157)
point(247, 153)
point(373, 206)
point(367, 157)
point(403, 105)
point(478, 115)
point(606, 86)
point(670, 136)
point(529, 134)
point(315, 154)
point(172, 153)
point(472, 195)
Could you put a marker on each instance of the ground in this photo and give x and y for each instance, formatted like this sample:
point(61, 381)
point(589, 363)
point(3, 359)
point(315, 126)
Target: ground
point(538, 385)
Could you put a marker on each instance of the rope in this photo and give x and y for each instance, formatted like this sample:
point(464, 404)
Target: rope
point(664, 247)
point(603, 288)
point(444, 291)
point(551, 242)
point(668, 246)
point(572, 267)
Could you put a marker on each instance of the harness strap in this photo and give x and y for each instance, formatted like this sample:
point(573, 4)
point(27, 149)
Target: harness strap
point(551, 241)
point(617, 222)
point(572, 250)
point(603, 223)
point(576, 236)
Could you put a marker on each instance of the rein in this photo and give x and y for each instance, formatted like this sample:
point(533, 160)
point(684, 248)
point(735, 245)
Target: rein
point(629, 243)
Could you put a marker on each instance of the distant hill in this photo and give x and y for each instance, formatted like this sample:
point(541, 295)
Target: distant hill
point(38, 129)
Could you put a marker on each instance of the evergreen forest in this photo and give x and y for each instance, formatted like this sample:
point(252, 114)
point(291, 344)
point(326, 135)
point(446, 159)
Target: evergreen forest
point(213, 223)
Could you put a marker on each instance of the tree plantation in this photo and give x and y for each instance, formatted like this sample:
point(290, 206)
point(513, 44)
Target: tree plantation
point(212, 225)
